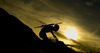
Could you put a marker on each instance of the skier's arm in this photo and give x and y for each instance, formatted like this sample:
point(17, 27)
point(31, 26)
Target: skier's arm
point(53, 34)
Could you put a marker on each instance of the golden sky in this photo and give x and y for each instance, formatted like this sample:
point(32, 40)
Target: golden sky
point(80, 18)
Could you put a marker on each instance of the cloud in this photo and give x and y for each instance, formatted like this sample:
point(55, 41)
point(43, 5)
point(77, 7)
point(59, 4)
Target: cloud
point(75, 13)
point(89, 3)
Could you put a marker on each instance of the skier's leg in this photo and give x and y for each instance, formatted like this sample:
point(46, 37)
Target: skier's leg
point(43, 35)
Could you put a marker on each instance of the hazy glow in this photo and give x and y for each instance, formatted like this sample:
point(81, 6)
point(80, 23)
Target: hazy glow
point(71, 32)
point(67, 42)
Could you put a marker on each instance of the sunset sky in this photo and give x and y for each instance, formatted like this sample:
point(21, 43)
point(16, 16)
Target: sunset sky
point(80, 18)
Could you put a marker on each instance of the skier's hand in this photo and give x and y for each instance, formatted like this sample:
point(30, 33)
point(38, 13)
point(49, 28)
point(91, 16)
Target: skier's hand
point(54, 36)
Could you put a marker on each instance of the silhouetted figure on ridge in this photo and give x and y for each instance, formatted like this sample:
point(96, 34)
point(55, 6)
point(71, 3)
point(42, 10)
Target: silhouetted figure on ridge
point(48, 28)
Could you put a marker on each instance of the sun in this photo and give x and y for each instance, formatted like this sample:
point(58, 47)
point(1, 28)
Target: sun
point(71, 33)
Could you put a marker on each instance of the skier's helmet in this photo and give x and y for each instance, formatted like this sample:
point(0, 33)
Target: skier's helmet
point(56, 27)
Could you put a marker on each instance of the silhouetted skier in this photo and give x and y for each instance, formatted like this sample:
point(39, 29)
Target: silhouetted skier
point(48, 28)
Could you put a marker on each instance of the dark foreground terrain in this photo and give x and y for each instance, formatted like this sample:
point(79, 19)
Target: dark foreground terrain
point(16, 37)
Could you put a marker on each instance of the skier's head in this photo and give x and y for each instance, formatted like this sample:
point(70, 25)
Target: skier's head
point(56, 27)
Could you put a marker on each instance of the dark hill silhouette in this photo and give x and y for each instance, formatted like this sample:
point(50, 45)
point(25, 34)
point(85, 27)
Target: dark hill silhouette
point(17, 37)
